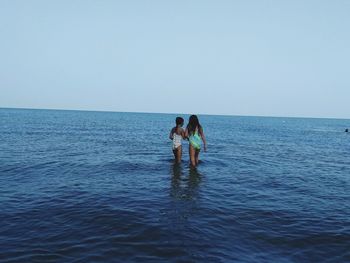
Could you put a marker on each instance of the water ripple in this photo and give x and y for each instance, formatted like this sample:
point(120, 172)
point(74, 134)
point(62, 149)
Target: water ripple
point(85, 187)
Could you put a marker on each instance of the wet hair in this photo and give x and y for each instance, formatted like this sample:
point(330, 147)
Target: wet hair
point(346, 130)
point(193, 124)
point(179, 121)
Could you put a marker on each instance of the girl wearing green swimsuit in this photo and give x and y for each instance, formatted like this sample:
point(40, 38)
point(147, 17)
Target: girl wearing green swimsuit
point(194, 133)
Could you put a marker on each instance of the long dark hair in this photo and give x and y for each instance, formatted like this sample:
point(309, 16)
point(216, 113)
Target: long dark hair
point(193, 124)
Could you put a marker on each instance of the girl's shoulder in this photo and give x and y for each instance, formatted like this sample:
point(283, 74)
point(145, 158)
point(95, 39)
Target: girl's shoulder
point(177, 130)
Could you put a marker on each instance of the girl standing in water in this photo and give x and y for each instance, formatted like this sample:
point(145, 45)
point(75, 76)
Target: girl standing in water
point(176, 135)
point(194, 133)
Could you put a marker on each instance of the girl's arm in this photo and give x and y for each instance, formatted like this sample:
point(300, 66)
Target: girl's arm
point(186, 134)
point(183, 134)
point(171, 134)
point(201, 133)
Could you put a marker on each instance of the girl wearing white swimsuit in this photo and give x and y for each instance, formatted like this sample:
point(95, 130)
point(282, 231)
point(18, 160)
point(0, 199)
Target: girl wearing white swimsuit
point(177, 141)
point(176, 135)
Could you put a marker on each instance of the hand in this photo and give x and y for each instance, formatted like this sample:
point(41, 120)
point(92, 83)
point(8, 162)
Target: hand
point(205, 148)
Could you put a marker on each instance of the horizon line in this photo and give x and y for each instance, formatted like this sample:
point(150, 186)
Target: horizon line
point(183, 113)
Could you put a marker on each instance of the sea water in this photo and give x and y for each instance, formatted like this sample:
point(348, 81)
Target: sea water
point(81, 186)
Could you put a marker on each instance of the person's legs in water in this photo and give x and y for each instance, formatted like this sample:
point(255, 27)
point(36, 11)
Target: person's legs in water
point(192, 156)
point(175, 154)
point(196, 155)
point(178, 154)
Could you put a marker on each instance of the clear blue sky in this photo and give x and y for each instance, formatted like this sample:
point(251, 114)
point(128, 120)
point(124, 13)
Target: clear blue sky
point(271, 58)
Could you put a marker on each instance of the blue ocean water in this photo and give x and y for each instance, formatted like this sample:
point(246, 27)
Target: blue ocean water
point(102, 187)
